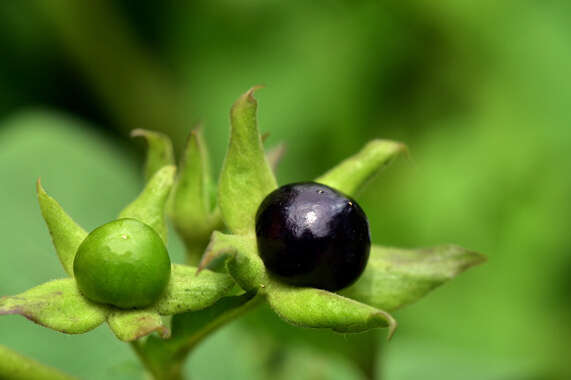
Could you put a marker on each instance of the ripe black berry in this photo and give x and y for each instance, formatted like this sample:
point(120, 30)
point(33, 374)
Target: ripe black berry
point(312, 235)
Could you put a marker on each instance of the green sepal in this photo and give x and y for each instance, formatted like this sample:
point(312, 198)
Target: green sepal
point(159, 152)
point(188, 290)
point(149, 207)
point(314, 308)
point(246, 176)
point(354, 173)
point(130, 325)
point(58, 305)
point(191, 208)
point(191, 194)
point(66, 234)
point(240, 255)
point(395, 277)
point(301, 306)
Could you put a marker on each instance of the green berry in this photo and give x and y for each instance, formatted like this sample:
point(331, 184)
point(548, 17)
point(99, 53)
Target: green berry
point(123, 263)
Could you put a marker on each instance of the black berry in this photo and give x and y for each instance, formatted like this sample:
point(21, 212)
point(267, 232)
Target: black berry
point(312, 235)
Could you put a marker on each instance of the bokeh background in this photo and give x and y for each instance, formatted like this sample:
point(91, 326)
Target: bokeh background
point(480, 92)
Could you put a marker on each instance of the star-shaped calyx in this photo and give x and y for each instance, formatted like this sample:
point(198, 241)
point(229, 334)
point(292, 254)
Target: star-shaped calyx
point(393, 277)
point(61, 306)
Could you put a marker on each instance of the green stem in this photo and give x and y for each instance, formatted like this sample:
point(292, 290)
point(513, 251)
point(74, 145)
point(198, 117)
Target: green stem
point(16, 366)
point(152, 369)
point(196, 241)
point(136, 346)
point(208, 328)
point(194, 250)
point(165, 358)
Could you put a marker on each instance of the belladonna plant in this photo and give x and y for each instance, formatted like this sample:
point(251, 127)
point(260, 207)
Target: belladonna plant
point(120, 273)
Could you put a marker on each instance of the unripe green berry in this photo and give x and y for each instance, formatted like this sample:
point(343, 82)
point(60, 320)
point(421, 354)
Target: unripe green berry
point(123, 263)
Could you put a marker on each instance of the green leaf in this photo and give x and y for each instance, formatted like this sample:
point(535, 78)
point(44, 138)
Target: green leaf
point(159, 152)
point(149, 207)
point(240, 254)
point(354, 173)
point(191, 209)
point(395, 277)
point(189, 290)
point(66, 234)
point(130, 325)
point(15, 366)
point(58, 305)
point(314, 308)
point(246, 176)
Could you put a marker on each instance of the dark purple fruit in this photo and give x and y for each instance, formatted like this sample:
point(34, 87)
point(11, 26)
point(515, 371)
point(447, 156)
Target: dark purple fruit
point(312, 235)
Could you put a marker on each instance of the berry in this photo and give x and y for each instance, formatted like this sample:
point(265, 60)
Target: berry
point(309, 234)
point(123, 263)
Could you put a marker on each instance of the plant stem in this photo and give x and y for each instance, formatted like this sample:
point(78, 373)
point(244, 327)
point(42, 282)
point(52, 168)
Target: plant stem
point(165, 358)
point(153, 371)
point(195, 250)
point(16, 366)
point(212, 325)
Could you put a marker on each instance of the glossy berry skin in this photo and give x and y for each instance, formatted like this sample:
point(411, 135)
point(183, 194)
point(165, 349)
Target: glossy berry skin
point(309, 234)
point(123, 263)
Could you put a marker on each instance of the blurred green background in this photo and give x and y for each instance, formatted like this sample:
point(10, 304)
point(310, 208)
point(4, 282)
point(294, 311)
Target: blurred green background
point(480, 92)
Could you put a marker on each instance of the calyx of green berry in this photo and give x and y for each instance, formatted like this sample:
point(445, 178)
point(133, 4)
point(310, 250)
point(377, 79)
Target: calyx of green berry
point(120, 273)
